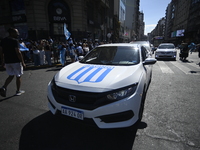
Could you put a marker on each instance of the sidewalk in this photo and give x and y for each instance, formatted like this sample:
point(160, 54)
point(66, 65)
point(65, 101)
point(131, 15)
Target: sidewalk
point(191, 57)
point(30, 65)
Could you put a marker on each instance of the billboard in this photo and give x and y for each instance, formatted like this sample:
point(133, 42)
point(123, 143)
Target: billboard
point(180, 33)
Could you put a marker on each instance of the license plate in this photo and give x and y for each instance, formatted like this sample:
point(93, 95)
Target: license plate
point(72, 113)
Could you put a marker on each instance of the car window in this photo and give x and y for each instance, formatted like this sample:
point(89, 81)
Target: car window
point(166, 46)
point(145, 53)
point(112, 55)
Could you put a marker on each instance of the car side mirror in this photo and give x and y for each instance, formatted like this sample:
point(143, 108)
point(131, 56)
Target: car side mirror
point(80, 57)
point(150, 61)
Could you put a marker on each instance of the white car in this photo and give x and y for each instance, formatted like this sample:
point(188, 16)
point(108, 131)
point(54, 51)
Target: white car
point(106, 88)
point(147, 44)
point(166, 51)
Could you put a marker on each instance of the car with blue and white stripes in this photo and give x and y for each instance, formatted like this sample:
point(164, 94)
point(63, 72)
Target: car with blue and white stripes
point(106, 88)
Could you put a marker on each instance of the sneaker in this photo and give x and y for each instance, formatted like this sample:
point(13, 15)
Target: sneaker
point(3, 92)
point(20, 92)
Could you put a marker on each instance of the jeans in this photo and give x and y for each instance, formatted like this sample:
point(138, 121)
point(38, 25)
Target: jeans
point(62, 56)
point(36, 58)
point(48, 57)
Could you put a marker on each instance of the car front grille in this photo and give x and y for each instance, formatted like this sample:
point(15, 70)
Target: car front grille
point(79, 99)
point(166, 52)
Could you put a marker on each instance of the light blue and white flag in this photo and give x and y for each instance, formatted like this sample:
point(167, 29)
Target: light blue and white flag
point(23, 48)
point(66, 32)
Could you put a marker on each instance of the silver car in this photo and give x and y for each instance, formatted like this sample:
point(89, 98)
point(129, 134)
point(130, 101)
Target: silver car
point(166, 51)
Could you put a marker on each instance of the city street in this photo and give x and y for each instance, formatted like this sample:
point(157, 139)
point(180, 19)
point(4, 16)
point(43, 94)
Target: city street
point(170, 120)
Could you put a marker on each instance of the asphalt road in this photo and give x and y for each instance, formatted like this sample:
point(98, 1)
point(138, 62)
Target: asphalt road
point(170, 120)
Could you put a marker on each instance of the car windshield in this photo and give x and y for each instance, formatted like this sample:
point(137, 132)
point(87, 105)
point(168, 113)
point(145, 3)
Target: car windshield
point(112, 55)
point(166, 46)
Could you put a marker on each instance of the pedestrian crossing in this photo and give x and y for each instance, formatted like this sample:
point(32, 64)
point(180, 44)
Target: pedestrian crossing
point(175, 67)
point(164, 68)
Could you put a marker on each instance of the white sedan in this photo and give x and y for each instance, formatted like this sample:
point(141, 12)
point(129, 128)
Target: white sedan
point(166, 51)
point(106, 88)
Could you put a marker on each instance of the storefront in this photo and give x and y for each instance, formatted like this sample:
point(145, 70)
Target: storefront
point(59, 18)
point(17, 19)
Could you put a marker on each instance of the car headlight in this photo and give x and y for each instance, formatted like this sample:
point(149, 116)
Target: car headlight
point(53, 84)
point(122, 93)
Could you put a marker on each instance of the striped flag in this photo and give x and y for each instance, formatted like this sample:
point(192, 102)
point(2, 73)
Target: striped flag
point(66, 32)
point(23, 48)
point(90, 73)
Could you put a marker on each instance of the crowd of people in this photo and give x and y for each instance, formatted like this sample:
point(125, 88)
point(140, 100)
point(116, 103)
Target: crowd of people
point(48, 51)
point(15, 54)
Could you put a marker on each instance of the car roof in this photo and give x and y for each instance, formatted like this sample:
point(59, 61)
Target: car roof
point(141, 42)
point(146, 43)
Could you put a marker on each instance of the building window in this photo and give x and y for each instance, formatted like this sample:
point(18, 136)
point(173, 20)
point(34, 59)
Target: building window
point(58, 28)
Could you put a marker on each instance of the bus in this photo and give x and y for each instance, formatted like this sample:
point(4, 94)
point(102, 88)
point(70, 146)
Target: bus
point(157, 40)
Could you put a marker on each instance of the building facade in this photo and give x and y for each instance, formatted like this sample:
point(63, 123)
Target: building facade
point(36, 19)
point(131, 20)
point(182, 22)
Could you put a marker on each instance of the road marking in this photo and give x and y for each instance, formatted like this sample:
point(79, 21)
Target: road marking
point(183, 68)
point(164, 67)
point(194, 65)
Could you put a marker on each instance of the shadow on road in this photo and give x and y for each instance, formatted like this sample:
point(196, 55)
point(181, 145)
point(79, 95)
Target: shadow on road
point(47, 132)
point(6, 98)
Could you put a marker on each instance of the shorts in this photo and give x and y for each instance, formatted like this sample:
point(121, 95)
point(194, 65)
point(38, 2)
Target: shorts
point(14, 69)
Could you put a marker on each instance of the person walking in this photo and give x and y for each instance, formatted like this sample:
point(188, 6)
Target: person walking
point(72, 52)
point(80, 50)
point(85, 48)
point(47, 49)
point(192, 47)
point(11, 56)
point(184, 51)
point(36, 56)
point(62, 49)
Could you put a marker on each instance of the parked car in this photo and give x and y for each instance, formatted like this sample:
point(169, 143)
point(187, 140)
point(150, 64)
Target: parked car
point(106, 88)
point(147, 44)
point(166, 51)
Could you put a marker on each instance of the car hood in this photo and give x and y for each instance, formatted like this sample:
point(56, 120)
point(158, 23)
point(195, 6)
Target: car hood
point(97, 78)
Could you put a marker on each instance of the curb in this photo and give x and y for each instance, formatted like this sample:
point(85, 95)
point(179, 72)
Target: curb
point(31, 66)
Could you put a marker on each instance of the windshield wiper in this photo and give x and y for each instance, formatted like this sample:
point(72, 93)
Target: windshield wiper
point(91, 59)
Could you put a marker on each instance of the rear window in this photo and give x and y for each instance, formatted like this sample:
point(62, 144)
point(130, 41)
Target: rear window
point(166, 46)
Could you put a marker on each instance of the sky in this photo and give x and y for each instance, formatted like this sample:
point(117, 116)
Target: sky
point(153, 11)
